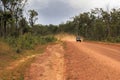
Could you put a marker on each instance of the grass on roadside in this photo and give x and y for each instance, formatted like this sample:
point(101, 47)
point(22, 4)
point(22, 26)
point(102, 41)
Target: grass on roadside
point(18, 71)
point(14, 49)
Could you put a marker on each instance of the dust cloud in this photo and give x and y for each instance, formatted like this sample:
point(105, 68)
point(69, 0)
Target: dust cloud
point(67, 37)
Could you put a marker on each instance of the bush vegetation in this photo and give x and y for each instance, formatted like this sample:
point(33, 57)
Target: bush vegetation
point(28, 41)
point(24, 45)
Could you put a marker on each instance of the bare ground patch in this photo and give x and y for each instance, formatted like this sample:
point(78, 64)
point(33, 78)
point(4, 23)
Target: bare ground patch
point(48, 66)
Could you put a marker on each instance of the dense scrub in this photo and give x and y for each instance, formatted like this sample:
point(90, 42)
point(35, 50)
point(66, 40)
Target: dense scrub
point(14, 50)
point(28, 41)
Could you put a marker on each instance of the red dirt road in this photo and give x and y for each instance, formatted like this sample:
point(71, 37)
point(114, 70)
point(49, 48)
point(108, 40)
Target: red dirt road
point(77, 61)
point(48, 66)
point(92, 61)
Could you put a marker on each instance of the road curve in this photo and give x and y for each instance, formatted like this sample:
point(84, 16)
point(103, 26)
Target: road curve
point(91, 61)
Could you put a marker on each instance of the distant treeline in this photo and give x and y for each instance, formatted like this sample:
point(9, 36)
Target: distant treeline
point(97, 24)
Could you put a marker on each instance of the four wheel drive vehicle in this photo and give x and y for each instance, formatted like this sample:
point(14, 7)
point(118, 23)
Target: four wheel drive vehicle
point(78, 39)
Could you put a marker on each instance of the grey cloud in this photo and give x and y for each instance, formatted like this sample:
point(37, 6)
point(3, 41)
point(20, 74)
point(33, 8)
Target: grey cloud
point(56, 11)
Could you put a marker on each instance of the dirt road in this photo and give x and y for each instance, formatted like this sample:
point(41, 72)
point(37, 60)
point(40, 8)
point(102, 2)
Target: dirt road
point(92, 61)
point(48, 66)
point(77, 61)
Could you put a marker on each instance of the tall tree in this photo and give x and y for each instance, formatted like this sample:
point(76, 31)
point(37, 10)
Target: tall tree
point(32, 17)
point(14, 7)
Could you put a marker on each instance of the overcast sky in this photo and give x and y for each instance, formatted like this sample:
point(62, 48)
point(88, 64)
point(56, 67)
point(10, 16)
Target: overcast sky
point(58, 11)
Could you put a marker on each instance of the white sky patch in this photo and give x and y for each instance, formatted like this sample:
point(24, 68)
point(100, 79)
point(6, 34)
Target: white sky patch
point(90, 4)
point(37, 4)
point(86, 4)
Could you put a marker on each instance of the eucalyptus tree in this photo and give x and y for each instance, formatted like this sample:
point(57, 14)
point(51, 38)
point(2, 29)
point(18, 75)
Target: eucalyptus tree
point(32, 17)
point(107, 19)
point(115, 22)
point(1, 24)
point(23, 26)
point(15, 9)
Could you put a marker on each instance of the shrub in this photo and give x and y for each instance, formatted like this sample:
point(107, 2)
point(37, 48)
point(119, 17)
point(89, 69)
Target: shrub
point(118, 39)
point(113, 39)
point(28, 41)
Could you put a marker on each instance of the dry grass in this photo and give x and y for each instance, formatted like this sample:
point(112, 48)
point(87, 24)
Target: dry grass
point(17, 72)
point(12, 64)
point(6, 55)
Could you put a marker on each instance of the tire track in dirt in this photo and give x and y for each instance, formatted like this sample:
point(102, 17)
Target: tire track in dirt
point(77, 61)
point(90, 62)
point(48, 66)
point(112, 51)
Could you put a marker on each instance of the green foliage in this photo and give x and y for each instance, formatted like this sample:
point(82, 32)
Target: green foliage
point(113, 39)
point(44, 29)
point(49, 39)
point(117, 39)
point(32, 17)
point(98, 24)
point(28, 41)
point(11, 16)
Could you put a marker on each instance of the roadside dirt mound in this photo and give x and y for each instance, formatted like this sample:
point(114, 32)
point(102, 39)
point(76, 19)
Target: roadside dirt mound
point(48, 66)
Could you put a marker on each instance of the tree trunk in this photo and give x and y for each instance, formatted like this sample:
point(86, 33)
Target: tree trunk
point(5, 28)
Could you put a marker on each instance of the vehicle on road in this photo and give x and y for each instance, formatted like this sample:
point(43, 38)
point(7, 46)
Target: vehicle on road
point(78, 39)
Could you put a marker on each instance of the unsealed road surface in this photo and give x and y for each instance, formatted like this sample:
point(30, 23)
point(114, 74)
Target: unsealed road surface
point(92, 61)
point(78, 61)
